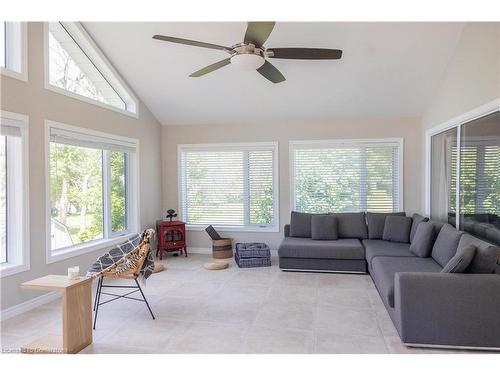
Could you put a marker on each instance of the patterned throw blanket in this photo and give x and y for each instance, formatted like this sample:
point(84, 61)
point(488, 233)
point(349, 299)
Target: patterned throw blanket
point(121, 256)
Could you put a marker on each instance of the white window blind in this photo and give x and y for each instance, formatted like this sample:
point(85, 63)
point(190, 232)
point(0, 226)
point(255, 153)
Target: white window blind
point(228, 185)
point(346, 176)
point(84, 139)
point(14, 207)
point(13, 49)
point(479, 171)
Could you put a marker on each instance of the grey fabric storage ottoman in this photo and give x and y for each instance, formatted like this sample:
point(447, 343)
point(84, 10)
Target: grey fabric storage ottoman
point(252, 254)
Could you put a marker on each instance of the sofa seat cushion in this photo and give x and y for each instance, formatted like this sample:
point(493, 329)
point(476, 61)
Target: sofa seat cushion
point(375, 248)
point(385, 268)
point(292, 247)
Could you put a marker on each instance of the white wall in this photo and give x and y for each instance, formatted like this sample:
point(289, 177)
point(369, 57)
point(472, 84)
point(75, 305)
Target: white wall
point(407, 128)
point(472, 77)
point(30, 98)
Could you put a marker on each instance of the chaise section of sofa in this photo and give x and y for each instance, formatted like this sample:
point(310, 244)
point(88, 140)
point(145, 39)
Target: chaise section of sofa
point(445, 309)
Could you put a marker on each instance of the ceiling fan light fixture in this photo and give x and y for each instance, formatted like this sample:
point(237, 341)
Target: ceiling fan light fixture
point(247, 61)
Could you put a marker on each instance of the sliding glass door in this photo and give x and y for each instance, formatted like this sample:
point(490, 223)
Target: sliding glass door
point(465, 177)
point(479, 198)
point(443, 176)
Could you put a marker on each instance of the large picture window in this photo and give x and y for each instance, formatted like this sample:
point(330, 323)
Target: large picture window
point(91, 184)
point(76, 67)
point(14, 236)
point(346, 176)
point(464, 180)
point(231, 186)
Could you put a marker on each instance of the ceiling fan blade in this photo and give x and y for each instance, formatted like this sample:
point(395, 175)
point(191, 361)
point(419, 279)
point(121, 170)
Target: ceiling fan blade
point(258, 32)
point(192, 43)
point(305, 53)
point(270, 72)
point(211, 68)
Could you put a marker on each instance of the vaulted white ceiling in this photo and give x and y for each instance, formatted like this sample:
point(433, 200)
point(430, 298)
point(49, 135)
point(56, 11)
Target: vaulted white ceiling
point(387, 69)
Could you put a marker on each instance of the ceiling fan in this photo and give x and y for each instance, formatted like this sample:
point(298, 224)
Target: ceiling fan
point(251, 53)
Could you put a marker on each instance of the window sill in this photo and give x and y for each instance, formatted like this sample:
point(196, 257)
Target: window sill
point(22, 76)
point(227, 228)
point(73, 251)
point(85, 99)
point(8, 269)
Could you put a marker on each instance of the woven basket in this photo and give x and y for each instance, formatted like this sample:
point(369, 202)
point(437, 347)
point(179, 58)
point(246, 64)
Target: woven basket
point(222, 249)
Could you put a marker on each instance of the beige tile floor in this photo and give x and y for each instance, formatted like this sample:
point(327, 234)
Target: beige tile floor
point(258, 310)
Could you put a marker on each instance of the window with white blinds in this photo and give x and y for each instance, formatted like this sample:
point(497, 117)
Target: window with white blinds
point(14, 205)
point(347, 176)
point(479, 171)
point(231, 185)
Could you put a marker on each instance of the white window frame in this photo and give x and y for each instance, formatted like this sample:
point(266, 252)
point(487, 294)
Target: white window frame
point(19, 258)
point(132, 208)
point(336, 143)
point(93, 52)
point(233, 147)
point(456, 122)
point(16, 49)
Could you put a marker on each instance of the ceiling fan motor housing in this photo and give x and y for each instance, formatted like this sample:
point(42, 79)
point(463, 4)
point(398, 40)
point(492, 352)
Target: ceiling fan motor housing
point(247, 56)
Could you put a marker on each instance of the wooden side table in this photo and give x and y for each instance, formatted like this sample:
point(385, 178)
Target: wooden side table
point(76, 314)
point(171, 237)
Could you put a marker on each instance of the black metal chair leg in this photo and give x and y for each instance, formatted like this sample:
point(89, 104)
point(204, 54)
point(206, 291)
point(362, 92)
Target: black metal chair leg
point(98, 299)
point(145, 300)
point(97, 291)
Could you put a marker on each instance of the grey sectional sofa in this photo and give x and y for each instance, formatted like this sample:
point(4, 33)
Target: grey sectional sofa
point(427, 306)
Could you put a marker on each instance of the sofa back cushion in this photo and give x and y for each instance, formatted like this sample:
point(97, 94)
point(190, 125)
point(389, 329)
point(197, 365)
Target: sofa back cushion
point(446, 244)
point(461, 260)
point(424, 237)
point(397, 229)
point(417, 219)
point(437, 226)
point(487, 257)
point(300, 225)
point(352, 225)
point(324, 227)
point(376, 222)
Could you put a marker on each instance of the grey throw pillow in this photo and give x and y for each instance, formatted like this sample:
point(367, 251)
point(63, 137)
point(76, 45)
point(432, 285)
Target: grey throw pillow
point(397, 229)
point(485, 260)
point(376, 222)
point(460, 261)
point(421, 246)
point(446, 244)
point(417, 219)
point(324, 227)
point(300, 225)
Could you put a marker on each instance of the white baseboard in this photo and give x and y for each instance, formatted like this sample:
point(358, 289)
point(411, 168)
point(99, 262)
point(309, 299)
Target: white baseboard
point(208, 250)
point(23, 307)
point(199, 250)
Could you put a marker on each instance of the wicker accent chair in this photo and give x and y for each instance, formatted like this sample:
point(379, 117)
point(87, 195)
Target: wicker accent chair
point(128, 267)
